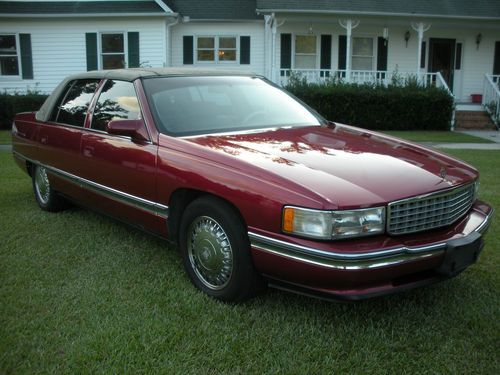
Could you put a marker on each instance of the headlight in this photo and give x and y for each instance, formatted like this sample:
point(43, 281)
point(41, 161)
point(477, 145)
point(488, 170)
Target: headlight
point(333, 224)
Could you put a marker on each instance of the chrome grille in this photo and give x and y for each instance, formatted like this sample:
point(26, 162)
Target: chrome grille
point(429, 211)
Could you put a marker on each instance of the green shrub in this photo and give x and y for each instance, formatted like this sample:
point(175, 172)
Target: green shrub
point(10, 104)
point(399, 106)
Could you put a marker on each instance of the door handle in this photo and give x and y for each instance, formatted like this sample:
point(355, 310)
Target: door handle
point(88, 151)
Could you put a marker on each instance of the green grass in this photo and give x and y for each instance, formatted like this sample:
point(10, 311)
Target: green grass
point(80, 293)
point(5, 138)
point(437, 136)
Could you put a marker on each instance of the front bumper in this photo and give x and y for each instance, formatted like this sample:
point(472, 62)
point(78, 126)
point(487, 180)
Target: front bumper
point(354, 270)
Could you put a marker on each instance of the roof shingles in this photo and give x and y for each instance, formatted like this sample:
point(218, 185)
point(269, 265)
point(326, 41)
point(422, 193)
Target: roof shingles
point(446, 8)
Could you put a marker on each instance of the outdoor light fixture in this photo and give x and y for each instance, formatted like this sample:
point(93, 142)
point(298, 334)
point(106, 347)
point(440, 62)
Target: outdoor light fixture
point(385, 35)
point(479, 37)
point(407, 37)
point(310, 28)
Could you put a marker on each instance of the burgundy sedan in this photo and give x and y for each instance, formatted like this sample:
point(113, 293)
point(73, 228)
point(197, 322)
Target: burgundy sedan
point(253, 186)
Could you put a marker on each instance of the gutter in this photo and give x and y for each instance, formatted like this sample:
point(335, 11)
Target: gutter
point(83, 15)
point(364, 13)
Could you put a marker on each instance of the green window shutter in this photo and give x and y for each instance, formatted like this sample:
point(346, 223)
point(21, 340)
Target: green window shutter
point(244, 50)
point(422, 56)
point(133, 49)
point(326, 52)
point(187, 53)
point(91, 50)
point(381, 54)
point(26, 56)
point(286, 52)
point(342, 54)
point(496, 59)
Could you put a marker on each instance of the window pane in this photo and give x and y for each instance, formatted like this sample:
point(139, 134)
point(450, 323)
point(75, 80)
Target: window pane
point(362, 63)
point(76, 102)
point(206, 43)
point(112, 43)
point(305, 62)
point(227, 55)
point(113, 61)
point(305, 44)
point(362, 47)
point(9, 66)
point(7, 44)
point(116, 101)
point(227, 42)
point(206, 55)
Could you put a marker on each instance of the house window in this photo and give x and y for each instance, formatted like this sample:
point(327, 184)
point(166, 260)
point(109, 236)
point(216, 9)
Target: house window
point(305, 52)
point(9, 58)
point(113, 51)
point(216, 49)
point(362, 53)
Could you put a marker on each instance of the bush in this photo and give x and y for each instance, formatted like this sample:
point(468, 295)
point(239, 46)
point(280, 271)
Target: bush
point(10, 104)
point(398, 106)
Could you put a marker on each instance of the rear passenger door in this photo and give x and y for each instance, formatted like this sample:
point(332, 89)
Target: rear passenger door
point(60, 137)
point(121, 172)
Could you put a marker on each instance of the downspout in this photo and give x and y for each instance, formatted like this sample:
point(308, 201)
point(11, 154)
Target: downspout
point(168, 42)
point(268, 19)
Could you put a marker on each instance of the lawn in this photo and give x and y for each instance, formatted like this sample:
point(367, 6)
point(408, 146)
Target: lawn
point(80, 293)
point(437, 136)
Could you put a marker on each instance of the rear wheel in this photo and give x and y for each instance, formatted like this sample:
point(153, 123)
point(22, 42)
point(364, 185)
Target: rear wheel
point(46, 197)
point(216, 251)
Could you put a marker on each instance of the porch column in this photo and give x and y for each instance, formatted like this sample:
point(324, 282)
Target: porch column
point(349, 25)
point(420, 28)
point(274, 29)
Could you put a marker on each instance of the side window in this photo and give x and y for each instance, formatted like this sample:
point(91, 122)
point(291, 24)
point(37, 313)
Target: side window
point(74, 102)
point(116, 101)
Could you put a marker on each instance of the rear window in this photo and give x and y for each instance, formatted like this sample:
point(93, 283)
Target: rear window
point(203, 105)
point(74, 102)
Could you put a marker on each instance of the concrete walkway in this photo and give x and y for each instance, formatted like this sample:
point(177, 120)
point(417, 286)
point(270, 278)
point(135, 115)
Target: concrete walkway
point(491, 135)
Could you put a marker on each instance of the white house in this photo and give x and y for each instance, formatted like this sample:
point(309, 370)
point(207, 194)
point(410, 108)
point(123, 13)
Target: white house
point(454, 43)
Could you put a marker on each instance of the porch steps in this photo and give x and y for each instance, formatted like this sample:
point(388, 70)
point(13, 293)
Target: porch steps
point(473, 120)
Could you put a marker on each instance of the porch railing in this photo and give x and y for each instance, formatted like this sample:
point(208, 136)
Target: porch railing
point(491, 97)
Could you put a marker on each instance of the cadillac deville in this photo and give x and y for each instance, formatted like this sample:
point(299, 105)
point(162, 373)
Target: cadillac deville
point(253, 186)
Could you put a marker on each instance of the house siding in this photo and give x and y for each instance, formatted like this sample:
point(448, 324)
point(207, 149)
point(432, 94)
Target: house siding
point(58, 47)
point(253, 29)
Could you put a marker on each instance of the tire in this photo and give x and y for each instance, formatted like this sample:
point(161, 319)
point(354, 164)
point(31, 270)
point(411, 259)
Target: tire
point(46, 197)
point(215, 251)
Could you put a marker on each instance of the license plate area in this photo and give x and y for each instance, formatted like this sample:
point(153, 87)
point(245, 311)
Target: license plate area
point(460, 254)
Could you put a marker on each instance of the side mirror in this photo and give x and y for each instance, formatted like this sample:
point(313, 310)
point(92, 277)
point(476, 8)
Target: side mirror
point(136, 129)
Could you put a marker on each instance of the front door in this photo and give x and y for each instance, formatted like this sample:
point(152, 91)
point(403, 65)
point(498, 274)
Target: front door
point(442, 58)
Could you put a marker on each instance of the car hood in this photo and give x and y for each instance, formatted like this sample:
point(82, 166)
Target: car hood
point(347, 167)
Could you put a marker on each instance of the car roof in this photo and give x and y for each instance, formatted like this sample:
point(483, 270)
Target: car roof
point(131, 75)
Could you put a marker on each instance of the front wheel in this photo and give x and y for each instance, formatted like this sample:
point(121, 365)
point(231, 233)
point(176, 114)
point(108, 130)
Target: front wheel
point(46, 197)
point(216, 251)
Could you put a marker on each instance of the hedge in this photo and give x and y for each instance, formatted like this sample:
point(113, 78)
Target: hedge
point(378, 107)
point(10, 104)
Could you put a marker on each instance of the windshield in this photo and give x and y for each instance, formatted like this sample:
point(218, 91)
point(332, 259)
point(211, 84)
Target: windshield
point(203, 105)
